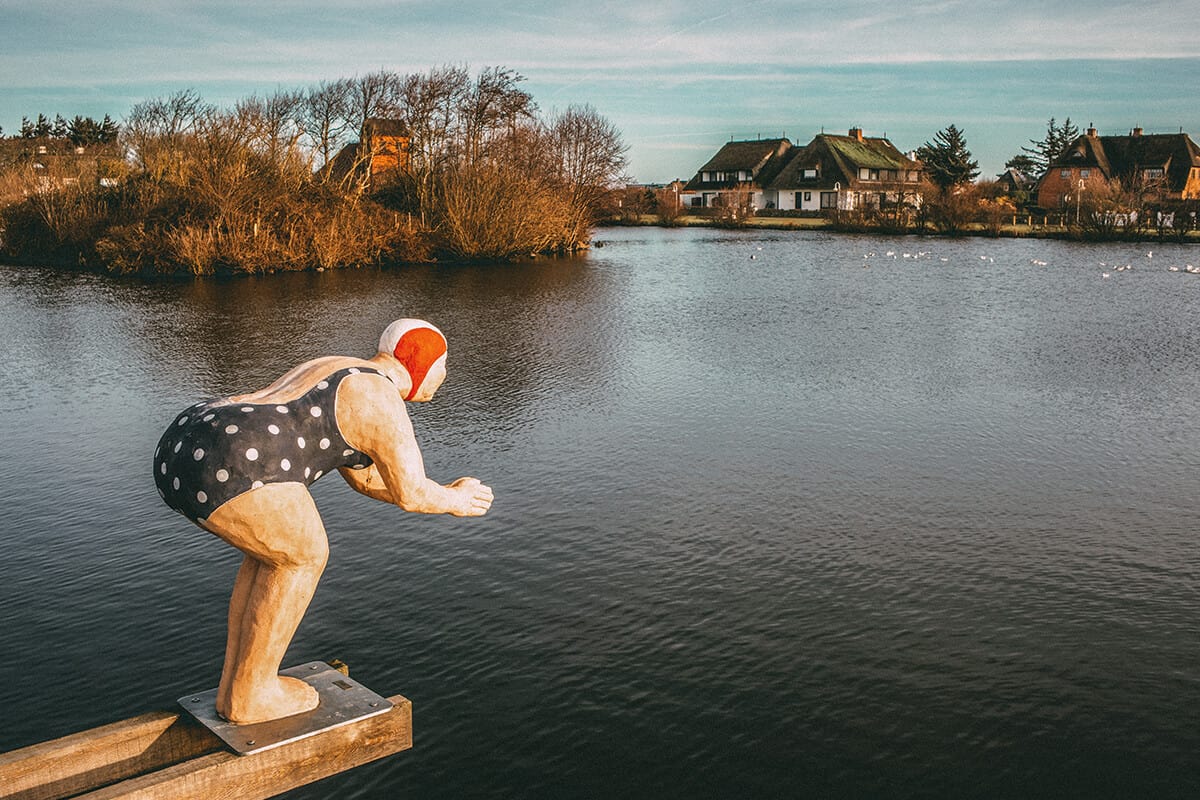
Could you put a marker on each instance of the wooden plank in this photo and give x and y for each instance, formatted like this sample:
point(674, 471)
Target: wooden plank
point(65, 767)
point(225, 776)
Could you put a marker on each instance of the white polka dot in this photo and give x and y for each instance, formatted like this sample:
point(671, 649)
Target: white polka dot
point(231, 429)
point(324, 444)
point(323, 385)
point(307, 471)
point(207, 417)
point(252, 454)
point(222, 475)
point(281, 409)
point(198, 453)
point(315, 411)
point(360, 466)
point(285, 465)
point(347, 452)
point(201, 497)
point(177, 447)
point(317, 475)
point(256, 484)
point(300, 441)
point(158, 451)
point(175, 483)
point(247, 409)
point(354, 370)
point(182, 421)
point(163, 468)
point(273, 429)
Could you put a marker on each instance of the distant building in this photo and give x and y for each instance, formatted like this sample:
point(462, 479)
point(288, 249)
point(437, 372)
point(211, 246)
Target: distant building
point(1014, 181)
point(384, 148)
point(1163, 166)
point(737, 166)
point(845, 172)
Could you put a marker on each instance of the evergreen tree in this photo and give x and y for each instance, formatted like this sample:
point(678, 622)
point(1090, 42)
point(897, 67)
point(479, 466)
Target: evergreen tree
point(1024, 165)
point(41, 128)
point(947, 159)
point(26, 128)
point(108, 130)
point(59, 130)
point(1048, 149)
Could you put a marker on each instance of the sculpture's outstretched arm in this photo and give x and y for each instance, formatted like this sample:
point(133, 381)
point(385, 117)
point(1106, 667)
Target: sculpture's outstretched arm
point(373, 419)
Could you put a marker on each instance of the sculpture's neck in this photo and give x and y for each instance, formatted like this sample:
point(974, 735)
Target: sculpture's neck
point(387, 364)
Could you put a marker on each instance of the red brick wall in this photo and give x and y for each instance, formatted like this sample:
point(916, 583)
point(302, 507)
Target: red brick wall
point(1054, 186)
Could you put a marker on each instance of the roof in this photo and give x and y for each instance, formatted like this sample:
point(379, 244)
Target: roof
point(839, 159)
point(762, 158)
point(378, 126)
point(1120, 156)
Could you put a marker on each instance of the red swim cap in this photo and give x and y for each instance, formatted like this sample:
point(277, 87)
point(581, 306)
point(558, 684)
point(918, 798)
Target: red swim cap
point(417, 345)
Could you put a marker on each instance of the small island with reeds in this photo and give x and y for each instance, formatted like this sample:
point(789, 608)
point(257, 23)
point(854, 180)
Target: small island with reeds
point(381, 168)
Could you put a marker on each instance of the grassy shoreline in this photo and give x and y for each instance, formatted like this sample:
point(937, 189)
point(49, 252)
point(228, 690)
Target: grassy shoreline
point(1011, 231)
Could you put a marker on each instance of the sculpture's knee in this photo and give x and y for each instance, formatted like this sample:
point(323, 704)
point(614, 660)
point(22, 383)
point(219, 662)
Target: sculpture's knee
point(314, 557)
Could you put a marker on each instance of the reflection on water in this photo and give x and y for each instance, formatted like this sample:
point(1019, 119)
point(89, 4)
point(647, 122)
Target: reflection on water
point(777, 515)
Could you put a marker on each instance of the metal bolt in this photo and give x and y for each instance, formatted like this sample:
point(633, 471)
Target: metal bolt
point(315, 666)
point(375, 705)
point(195, 699)
point(250, 742)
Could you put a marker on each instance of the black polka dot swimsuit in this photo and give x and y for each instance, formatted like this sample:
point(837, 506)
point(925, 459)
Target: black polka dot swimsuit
point(218, 449)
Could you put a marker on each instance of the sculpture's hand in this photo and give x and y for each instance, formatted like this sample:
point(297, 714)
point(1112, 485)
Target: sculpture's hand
point(472, 498)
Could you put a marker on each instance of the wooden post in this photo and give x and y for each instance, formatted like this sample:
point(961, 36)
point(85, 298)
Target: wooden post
point(165, 755)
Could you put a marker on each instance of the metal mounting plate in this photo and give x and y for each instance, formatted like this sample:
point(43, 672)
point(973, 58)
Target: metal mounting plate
point(343, 701)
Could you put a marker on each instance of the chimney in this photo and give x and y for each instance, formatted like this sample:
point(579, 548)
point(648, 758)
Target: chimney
point(1091, 132)
point(1136, 132)
point(856, 134)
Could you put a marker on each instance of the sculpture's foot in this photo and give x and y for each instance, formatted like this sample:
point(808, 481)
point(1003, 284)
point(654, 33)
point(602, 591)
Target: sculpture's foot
point(284, 698)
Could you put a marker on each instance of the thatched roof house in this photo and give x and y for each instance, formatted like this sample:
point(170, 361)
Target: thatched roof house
point(1166, 166)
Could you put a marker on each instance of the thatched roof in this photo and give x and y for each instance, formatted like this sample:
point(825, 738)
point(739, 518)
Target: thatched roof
point(762, 158)
point(839, 158)
point(1123, 156)
point(378, 126)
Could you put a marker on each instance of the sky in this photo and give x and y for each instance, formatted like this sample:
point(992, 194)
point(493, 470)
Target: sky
point(678, 78)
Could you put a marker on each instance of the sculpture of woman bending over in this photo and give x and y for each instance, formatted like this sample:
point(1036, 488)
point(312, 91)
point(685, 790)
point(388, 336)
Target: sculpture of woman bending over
point(240, 467)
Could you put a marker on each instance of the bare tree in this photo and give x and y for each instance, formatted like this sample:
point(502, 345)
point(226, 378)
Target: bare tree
point(590, 157)
point(156, 129)
point(324, 115)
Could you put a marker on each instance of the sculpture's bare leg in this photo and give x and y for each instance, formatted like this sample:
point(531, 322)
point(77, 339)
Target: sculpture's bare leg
point(278, 528)
point(237, 610)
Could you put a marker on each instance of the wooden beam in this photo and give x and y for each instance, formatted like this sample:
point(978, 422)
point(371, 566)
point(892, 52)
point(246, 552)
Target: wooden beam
point(65, 767)
point(161, 756)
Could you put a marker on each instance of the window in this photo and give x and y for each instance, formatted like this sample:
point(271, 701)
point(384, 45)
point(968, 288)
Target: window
point(1085, 173)
point(808, 195)
point(809, 174)
point(1153, 172)
point(1064, 173)
point(911, 176)
point(828, 199)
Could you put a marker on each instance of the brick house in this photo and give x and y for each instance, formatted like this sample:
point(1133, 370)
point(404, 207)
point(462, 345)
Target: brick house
point(384, 148)
point(1165, 166)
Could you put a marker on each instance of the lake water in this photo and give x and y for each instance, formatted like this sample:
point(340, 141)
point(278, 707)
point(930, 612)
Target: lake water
point(777, 515)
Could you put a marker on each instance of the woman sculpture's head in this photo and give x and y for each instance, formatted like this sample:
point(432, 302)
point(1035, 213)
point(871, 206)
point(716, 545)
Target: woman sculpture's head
point(421, 350)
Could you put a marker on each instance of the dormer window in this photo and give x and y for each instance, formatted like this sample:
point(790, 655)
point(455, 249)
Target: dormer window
point(809, 174)
point(1152, 172)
